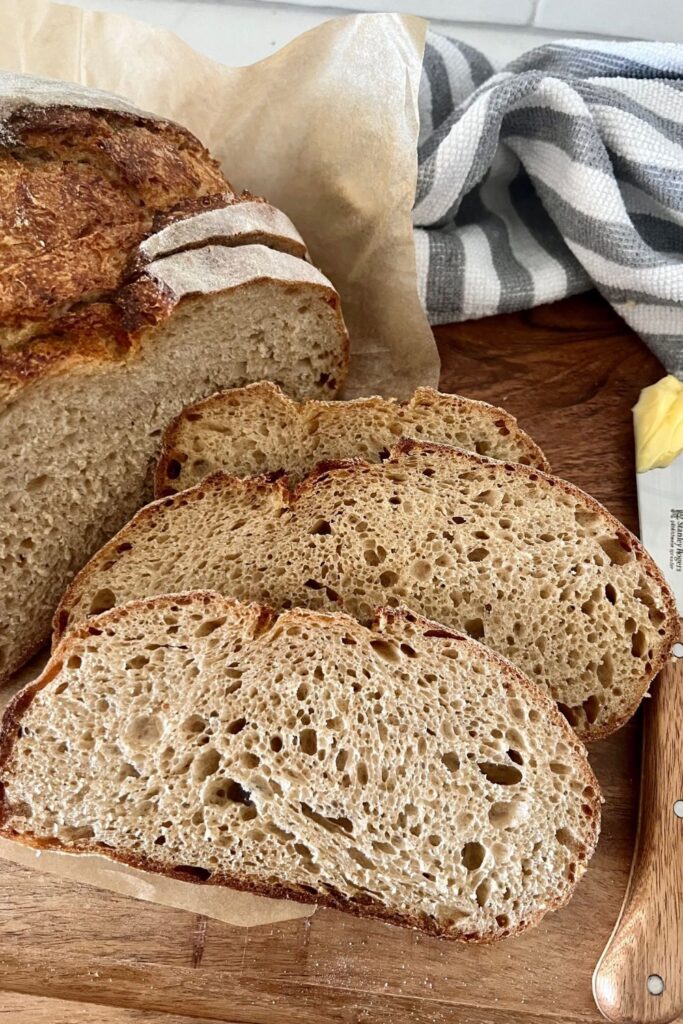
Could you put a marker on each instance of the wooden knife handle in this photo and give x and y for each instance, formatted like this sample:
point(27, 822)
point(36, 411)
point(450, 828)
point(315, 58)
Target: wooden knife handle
point(639, 977)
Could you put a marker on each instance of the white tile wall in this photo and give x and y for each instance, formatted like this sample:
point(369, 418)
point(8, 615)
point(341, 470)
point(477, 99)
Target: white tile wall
point(233, 33)
point(644, 19)
point(243, 31)
point(503, 12)
point(240, 32)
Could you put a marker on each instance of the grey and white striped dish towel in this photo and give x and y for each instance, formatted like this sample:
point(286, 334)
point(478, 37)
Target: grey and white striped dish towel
point(561, 172)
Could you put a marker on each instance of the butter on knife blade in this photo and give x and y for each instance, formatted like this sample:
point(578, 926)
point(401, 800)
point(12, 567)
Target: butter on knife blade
point(658, 424)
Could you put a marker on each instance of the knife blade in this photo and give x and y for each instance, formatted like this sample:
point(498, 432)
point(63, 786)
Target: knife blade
point(639, 977)
point(660, 510)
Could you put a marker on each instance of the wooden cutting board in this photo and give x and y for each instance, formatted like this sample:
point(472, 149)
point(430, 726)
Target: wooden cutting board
point(570, 372)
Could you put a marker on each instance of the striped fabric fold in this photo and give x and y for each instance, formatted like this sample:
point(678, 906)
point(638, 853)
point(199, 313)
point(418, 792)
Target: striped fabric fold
point(562, 172)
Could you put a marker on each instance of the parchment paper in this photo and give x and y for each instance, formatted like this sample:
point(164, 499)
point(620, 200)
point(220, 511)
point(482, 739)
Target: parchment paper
point(326, 129)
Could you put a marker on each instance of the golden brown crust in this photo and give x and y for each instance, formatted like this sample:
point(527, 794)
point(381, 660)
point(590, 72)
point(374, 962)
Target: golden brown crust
point(363, 907)
point(79, 189)
point(405, 447)
point(271, 393)
point(40, 288)
point(92, 335)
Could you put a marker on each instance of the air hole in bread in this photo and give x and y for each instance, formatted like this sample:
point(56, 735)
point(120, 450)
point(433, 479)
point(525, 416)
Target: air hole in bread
point(102, 601)
point(143, 731)
point(472, 856)
point(75, 834)
point(198, 874)
point(206, 764)
point(503, 814)
point(388, 578)
point(308, 741)
point(585, 517)
point(360, 858)
point(210, 626)
point(339, 824)
point(477, 554)
point(618, 552)
point(638, 644)
point(500, 774)
point(374, 555)
point(193, 726)
point(475, 628)
point(487, 497)
point(137, 661)
point(566, 837)
point(386, 650)
point(451, 761)
point(38, 483)
point(222, 791)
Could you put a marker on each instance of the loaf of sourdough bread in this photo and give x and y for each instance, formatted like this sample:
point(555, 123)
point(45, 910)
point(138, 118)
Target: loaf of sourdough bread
point(398, 771)
point(107, 331)
point(523, 561)
point(259, 429)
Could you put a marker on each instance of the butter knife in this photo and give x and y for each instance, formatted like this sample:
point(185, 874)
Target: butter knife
point(639, 976)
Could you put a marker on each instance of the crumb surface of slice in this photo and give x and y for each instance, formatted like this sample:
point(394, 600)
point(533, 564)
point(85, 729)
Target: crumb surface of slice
point(398, 771)
point(525, 562)
point(259, 429)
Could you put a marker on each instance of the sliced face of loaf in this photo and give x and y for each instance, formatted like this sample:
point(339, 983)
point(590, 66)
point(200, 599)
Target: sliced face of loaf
point(397, 771)
point(259, 429)
point(525, 562)
point(79, 438)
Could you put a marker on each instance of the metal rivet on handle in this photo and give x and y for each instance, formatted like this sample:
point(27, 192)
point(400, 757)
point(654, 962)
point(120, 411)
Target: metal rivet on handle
point(655, 985)
point(677, 650)
point(678, 808)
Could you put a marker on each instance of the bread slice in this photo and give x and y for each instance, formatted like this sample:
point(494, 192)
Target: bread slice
point(259, 429)
point(525, 562)
point(398, 771)
point(81, 415)
point(222, 220)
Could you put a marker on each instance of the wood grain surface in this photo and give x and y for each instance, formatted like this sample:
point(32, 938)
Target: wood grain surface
point(570, 372)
